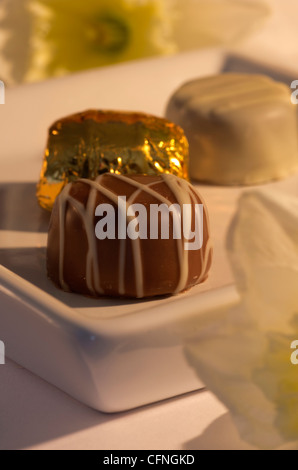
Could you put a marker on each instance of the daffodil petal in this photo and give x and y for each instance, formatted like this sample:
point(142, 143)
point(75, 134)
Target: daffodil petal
point(70, 36)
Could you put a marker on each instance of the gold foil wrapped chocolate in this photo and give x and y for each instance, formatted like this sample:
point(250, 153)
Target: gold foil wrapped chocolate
point(88, 144)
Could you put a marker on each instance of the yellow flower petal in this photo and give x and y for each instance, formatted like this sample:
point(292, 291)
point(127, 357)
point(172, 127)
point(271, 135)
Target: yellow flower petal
point(75, 35)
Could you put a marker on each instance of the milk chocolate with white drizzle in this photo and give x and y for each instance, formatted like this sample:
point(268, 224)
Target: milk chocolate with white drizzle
point(77, 261)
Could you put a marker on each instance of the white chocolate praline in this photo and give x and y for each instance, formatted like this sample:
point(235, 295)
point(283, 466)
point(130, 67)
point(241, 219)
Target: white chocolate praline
point(242, 129)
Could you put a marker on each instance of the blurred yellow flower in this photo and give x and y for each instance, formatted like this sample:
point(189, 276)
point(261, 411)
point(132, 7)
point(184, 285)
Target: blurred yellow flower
point(70, 35)
point(243, 354)
point(56, 37)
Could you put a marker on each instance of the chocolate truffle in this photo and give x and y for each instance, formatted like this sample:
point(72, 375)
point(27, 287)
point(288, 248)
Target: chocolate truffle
point(91, 143)
point(242, 129)
point(129, 236)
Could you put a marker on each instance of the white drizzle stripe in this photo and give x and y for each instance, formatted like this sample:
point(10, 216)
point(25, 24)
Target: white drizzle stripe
point(209, 245)
point(137, 256)
point(206, 258)
point(137, 252)
point(196, 200)
point(121, 276)
point(91, 255)
point(92, 258)
point(203, 251)
point(182, 256)
point(92, 268)
point(98, 188)
point(136, 244)
point(62, 215)
point(180, 189)
point(182, 192)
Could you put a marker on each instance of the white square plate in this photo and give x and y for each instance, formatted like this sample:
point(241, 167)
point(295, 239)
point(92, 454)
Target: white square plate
point(112, 355)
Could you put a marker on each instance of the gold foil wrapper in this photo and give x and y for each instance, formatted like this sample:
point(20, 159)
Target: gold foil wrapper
point(88, 144)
